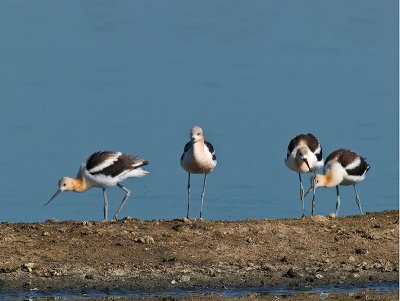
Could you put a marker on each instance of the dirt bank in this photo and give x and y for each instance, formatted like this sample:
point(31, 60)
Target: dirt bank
point(166, 255)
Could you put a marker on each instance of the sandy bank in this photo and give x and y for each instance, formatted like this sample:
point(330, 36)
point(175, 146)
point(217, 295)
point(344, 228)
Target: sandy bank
point(157, 255)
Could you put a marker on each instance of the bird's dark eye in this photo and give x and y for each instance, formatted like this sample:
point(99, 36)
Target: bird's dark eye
point(65, 184)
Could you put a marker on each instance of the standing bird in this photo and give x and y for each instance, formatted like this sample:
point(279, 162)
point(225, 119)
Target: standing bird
point(342, 167)
point(198, 158)
point(103, 170)
point(304, 154)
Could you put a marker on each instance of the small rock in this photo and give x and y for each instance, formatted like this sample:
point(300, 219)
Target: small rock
point(56, 273)
point(374, 236)
point(27, 284)
point(387, 268)
point(212, 273)
point(45, 233)
point(361, 251)
point(187, 221)
point(284, 259)
point(331, 215)
point(8, 269)
point(118, 272)
point(177, 227)
point(351, 259)
point(249, 240)
point(364, 265)
point(89, 276)
point(184, 278)
point(291, 273)
point(356, 275)
point(145, 240)
point(52, 220)
point(173, 281)
point(319, 276)
point(319, 218)
point(28, 266)
point(323, 296)
point(267, 267)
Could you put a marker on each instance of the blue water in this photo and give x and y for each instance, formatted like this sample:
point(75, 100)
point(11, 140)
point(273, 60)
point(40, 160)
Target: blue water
point(228, 293)
point(134, 76)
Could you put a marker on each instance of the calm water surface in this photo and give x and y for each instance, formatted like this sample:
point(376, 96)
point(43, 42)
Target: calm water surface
point(134, 76)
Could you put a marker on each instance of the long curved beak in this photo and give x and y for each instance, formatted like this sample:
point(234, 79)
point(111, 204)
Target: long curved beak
point(57, 193)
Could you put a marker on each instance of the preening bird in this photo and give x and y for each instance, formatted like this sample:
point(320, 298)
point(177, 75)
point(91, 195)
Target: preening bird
point(304, 154)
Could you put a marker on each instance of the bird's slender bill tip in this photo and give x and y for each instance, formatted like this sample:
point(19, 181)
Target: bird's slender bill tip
point(57, 193)
point(308, 190)
point(308, 165)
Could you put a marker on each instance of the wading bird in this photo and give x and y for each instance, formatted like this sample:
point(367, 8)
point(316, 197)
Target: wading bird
point(304, 154)
point(198, 158)
point(103, 170)
point(342, 167)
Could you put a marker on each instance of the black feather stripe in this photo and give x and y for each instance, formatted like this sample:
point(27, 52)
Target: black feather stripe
point(187, 146)
point(211, 149)
point(361, 169)
point(319, 155)
point(346, 157)
point(122, 164)
point(311, 141)
point(186, 149)
point(97, 158)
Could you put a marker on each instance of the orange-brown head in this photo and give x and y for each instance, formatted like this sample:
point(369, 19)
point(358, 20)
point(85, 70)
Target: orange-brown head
point(68, 184)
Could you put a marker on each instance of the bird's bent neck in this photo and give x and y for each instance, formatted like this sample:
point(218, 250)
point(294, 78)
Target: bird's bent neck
point(79, 185)
point(330, 179)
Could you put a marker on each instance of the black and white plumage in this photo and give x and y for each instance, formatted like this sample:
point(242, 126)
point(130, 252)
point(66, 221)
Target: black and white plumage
point(304, 154)
point(342, 167)
point(103, 170)
point(198, 158)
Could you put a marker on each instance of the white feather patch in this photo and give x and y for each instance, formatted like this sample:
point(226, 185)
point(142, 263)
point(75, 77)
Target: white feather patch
point(354, 164)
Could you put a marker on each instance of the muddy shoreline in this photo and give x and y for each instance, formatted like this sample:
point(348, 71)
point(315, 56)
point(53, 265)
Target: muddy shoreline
point(191, 254)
